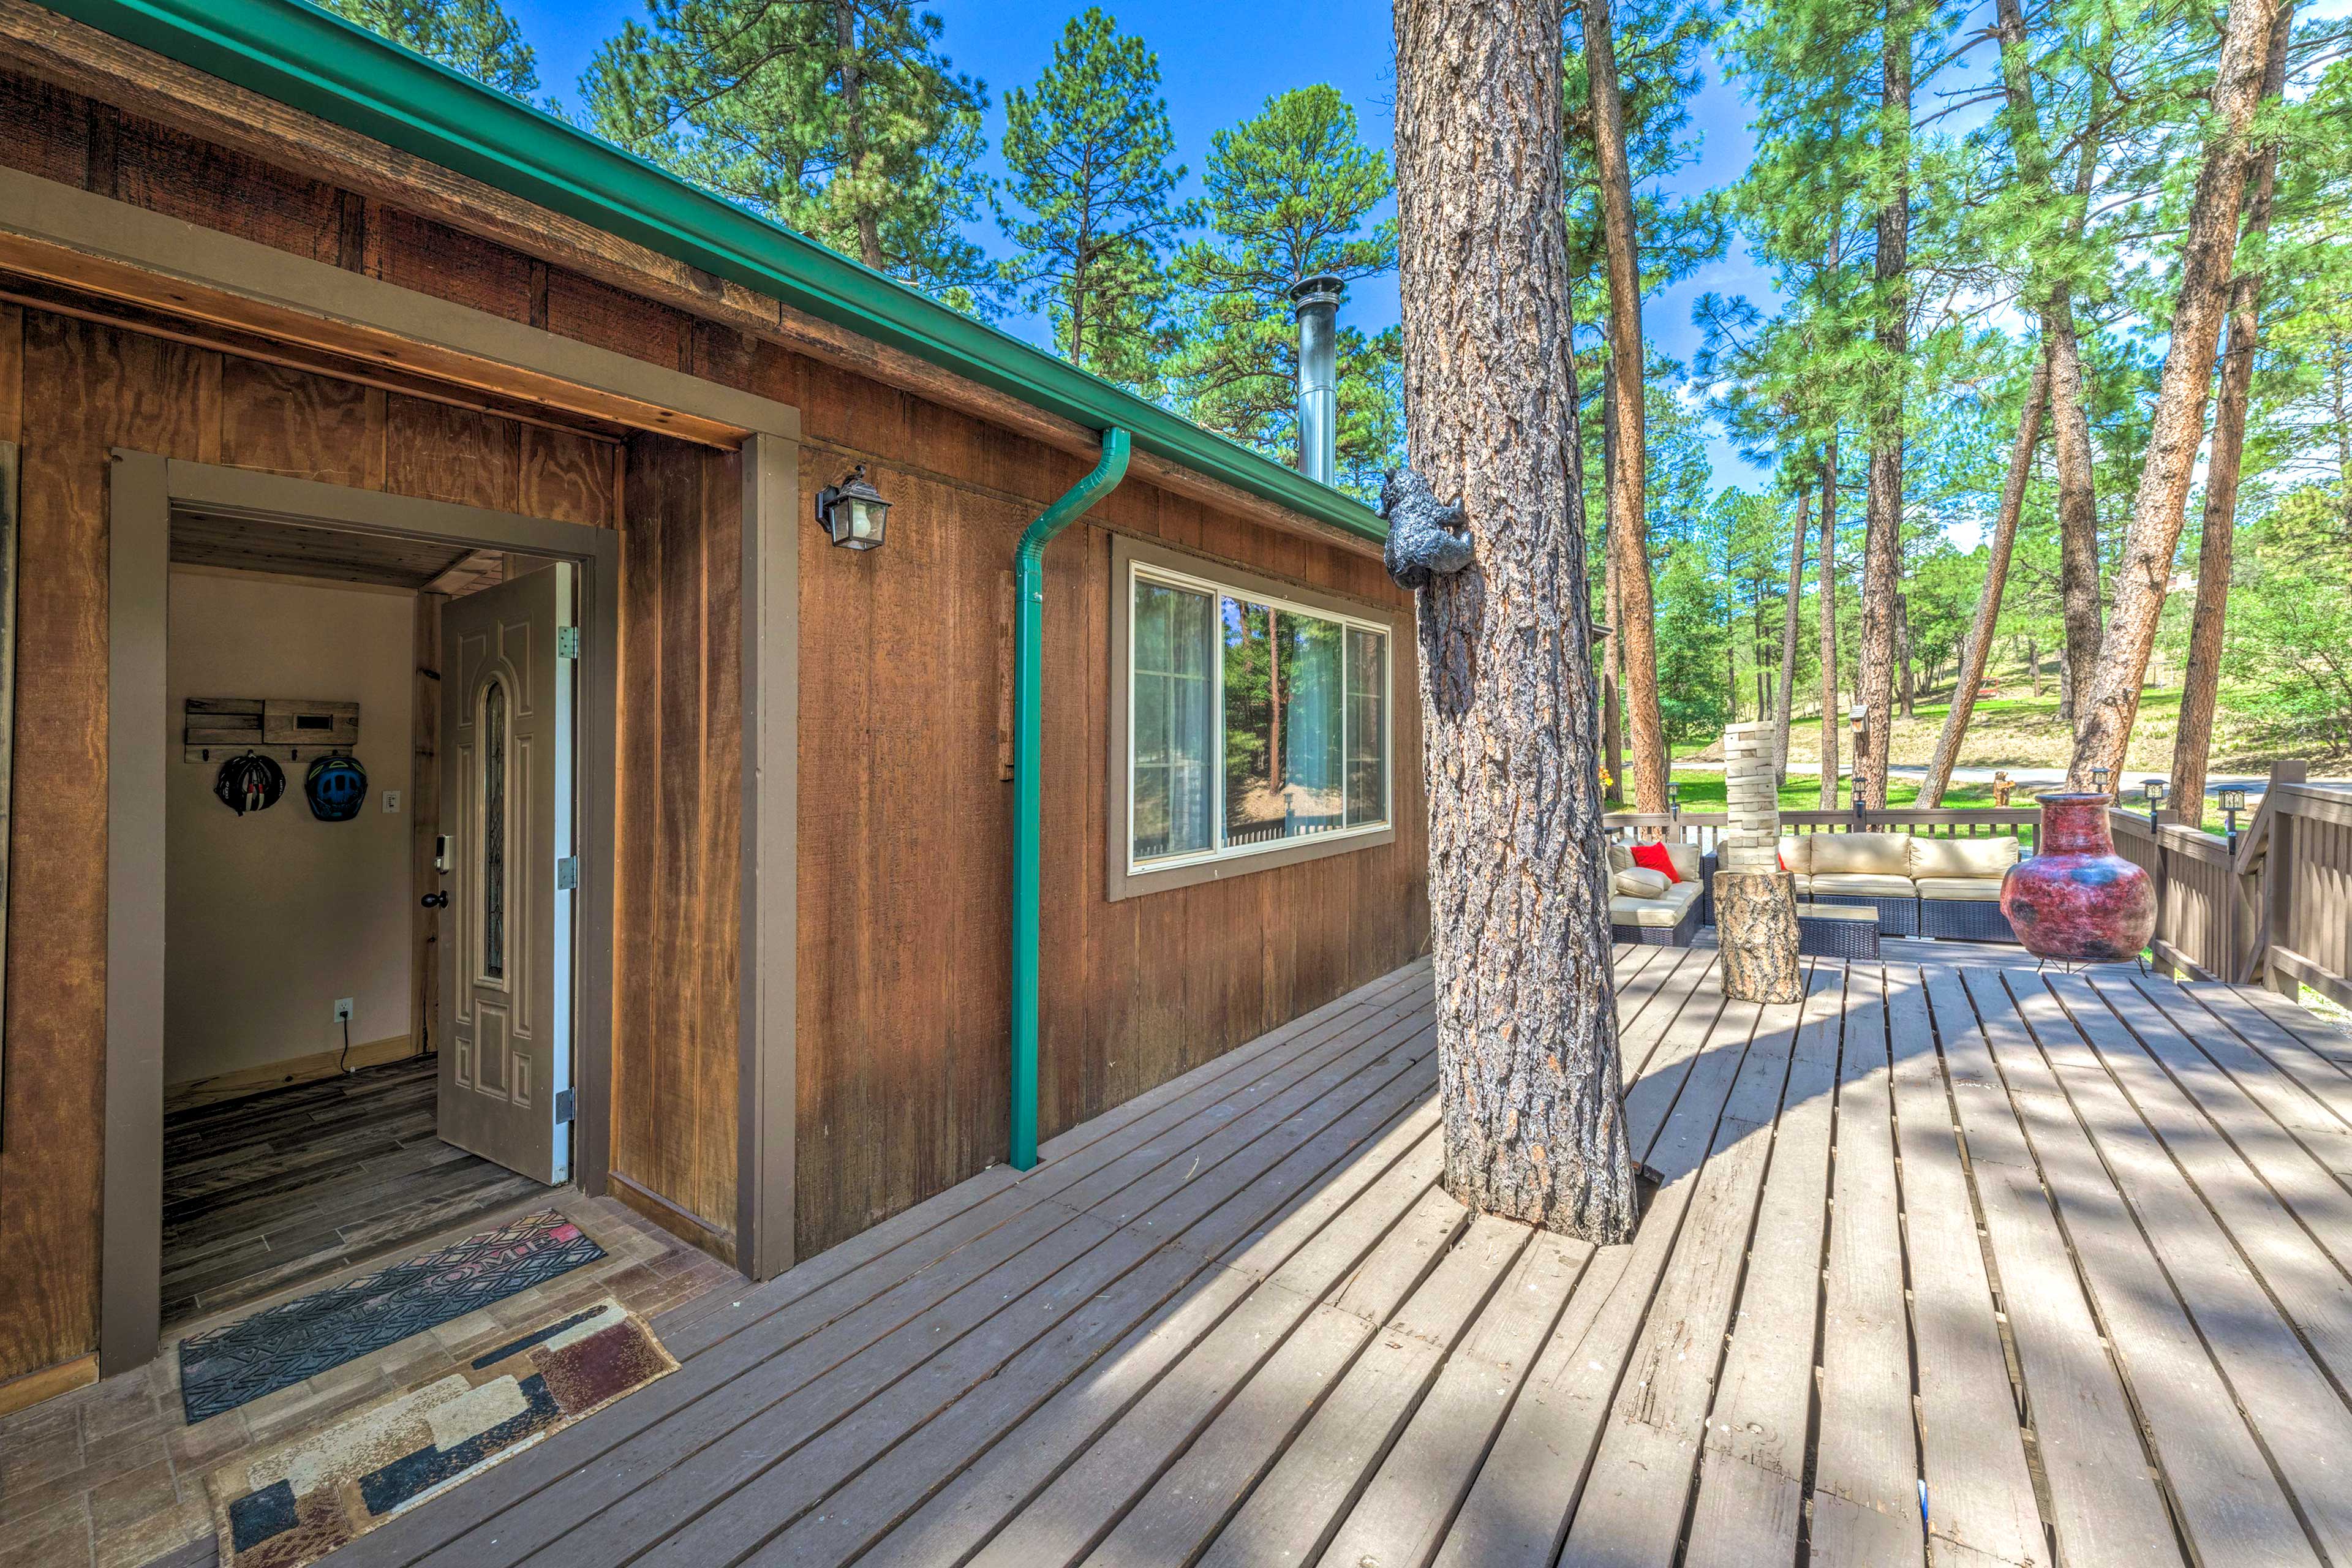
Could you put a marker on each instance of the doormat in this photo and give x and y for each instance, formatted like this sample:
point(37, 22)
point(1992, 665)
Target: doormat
point(226, 1367)
point(294, 1503)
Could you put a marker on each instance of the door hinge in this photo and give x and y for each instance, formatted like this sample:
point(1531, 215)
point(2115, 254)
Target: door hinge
point(562, 1106)
point(567, 642)
point(567, 873)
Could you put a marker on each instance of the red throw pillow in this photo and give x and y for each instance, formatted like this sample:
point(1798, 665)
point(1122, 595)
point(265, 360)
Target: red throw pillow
point(1653, 857)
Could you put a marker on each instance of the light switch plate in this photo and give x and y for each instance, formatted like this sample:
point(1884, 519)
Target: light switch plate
point(391, 801)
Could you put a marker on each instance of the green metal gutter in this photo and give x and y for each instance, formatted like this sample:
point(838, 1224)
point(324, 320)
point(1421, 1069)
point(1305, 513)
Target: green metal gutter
point(313, 61)
point(1028, 788)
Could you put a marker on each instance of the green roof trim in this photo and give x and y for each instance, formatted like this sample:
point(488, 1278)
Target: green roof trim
point(312, 60)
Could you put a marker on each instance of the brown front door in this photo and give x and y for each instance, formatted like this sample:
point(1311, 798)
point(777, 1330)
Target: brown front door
point(507, 768)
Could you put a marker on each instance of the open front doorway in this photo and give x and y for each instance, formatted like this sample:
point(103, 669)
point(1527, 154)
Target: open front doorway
point(367, 1004)
point(360, 754)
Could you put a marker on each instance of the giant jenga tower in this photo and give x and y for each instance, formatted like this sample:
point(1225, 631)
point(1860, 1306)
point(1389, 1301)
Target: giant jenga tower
point(1755, 900)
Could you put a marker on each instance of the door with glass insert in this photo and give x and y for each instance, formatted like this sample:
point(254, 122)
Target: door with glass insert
point(506, 932)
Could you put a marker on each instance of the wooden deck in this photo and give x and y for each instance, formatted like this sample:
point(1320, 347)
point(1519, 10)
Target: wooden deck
point(1952, 1263)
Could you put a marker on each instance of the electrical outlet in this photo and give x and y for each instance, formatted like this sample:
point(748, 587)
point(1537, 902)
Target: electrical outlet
point(342, 1009)
point(391, 801)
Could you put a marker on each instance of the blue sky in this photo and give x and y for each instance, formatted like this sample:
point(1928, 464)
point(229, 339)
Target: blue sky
point(1220, 63)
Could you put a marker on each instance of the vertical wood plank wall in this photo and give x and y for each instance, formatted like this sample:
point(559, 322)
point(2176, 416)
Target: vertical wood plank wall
point(904, 819)
point(678, 912)
point(906, 824)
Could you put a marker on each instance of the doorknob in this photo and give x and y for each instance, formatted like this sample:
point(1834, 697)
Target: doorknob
point(434, 901)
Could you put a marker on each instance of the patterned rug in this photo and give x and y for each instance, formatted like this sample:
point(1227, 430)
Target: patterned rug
point(277, 1348)
point(292, 1504)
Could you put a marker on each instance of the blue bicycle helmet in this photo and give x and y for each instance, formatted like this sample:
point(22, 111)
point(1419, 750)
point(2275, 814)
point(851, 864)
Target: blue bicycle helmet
point(336, 787)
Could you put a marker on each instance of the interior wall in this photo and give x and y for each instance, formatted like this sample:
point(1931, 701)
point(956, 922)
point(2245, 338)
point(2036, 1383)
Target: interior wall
point(270, 917)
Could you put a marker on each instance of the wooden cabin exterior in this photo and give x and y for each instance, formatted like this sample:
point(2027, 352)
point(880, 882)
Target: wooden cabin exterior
point(810, 805)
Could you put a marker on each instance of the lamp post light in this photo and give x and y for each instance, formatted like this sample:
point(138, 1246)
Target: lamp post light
point(2099, 781)
point(2233, 800)
point(1855, 717)
point(1674, 799)
point(2154, 791)
point(852, 512)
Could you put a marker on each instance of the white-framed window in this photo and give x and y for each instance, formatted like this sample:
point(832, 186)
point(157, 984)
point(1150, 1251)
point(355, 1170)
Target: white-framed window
point(1254, 723)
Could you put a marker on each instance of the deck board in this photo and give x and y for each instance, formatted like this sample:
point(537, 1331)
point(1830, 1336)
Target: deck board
point(1949, 1264)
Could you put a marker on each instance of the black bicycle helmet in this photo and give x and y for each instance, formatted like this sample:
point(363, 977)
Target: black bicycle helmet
point(249, 783)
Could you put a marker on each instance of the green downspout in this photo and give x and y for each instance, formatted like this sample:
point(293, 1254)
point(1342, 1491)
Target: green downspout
point(1028, 791)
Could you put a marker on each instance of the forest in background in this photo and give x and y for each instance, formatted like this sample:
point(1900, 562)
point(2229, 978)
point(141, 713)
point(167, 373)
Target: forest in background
point(1975, 219)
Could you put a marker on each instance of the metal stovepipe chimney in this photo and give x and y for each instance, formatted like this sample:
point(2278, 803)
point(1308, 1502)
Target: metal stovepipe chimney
point(1317, 303)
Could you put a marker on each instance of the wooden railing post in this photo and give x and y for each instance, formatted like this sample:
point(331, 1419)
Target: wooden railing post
point(2278, 879)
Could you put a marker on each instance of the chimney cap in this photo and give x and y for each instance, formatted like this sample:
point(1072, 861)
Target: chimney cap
point(1323, 288)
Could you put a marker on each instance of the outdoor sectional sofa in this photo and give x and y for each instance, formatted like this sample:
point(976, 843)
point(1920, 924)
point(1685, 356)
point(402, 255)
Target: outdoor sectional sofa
point(1920, 886)
point(1672, 918)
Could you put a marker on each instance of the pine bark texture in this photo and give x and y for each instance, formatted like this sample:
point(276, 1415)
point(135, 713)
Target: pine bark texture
point(1527, 1024)
point(2200, 686)
point(1756, 926)
point(1978, 651)
point(1826, 570)
point(1785, 697)
point(2107, 710)
point(1635, 629)
point(1881, 554)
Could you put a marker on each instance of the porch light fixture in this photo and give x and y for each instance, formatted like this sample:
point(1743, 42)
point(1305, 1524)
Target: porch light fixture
point(853, 512)
point(1674, 799)
point(2099, 781)
point(2153, 790)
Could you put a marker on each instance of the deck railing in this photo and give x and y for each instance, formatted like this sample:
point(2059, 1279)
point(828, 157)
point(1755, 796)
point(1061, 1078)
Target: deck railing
point(1705, 828)
point(2276, 910)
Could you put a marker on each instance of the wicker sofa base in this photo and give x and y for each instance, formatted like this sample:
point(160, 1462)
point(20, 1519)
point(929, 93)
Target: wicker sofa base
point(1835, 938)
point(1896, 917)
point(1965, 919)
point(1684, 933)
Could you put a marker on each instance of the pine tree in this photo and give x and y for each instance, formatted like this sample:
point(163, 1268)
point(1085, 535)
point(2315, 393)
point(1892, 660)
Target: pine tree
point(1528, 1077)
point(1089, 147)
point(837, 118)
point(1290, 194)
point(476, 37)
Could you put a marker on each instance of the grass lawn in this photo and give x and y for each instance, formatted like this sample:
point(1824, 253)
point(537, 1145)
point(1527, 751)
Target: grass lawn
point(1704, 792)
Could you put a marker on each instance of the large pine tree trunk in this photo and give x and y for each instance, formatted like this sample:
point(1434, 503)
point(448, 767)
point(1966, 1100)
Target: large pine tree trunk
point(2107, 710)
point(1825, 568)
point(1526, 1025)
point(1785, 696)
point(2078, 507)
point(2200, 686)
point(1628, 476)
point(1978, 650)
point(1882, 552)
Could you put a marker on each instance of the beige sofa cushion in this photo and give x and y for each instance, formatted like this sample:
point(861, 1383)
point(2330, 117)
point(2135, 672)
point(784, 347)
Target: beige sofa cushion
point(1858, 884)
point(1666, 910)
point(1641, 882)
point(1861, 853)
point(1797, 852)
point(1620, 857)
point(1969, 890)
point(1962, 857)
point(1689, 862)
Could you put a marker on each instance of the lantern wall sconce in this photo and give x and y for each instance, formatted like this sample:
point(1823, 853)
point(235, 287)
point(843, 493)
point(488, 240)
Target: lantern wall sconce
point(852, 512)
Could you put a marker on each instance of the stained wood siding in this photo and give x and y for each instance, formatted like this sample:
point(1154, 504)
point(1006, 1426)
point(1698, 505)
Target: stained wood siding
point(906, 826)
point(677, 919)
point(904, 820)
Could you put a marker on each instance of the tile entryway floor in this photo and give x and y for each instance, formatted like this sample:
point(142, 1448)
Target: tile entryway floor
point(112, 1476)
point(285, 1187)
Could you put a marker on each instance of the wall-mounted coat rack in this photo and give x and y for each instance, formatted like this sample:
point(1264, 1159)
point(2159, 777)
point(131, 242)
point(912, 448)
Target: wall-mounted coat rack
point(286, 729)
